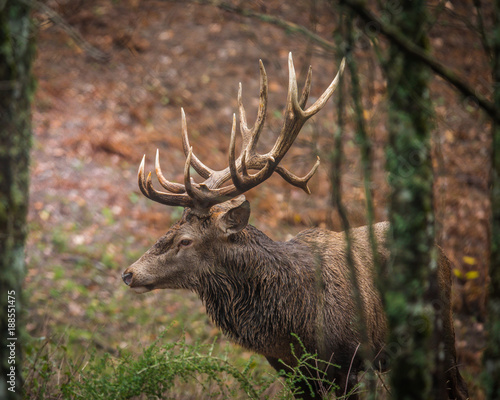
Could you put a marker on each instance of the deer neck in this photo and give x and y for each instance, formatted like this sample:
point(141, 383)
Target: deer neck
point(254, 281)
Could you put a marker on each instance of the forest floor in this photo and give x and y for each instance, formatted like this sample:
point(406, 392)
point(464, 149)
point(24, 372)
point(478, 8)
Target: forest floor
point(94, 120)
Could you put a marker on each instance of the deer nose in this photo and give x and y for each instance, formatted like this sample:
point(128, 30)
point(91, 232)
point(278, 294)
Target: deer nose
point(127, 278)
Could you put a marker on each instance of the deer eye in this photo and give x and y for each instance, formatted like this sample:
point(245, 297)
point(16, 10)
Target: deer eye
point(185, 242)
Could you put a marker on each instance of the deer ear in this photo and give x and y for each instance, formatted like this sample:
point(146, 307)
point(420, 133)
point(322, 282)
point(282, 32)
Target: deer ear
point(235, 217)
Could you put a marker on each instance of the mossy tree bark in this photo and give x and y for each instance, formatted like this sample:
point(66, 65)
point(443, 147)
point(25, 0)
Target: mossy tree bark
point(16, 91)
point(413, 261)
point(491, 359)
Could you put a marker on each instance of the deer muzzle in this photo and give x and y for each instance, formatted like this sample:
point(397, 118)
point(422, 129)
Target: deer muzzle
point(128, 277)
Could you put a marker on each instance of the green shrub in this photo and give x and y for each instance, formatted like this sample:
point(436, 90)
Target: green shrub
point(174, 370)
point(157, 371)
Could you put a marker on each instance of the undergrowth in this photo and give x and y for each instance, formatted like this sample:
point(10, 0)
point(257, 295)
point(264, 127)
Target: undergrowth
point(157, 371)
point(174, 370)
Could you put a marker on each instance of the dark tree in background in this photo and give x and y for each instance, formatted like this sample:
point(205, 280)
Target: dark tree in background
point(16, 92)
point(491, 374)
point(412, 218)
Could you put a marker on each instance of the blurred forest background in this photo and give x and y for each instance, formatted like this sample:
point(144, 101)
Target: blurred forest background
point(112, 77)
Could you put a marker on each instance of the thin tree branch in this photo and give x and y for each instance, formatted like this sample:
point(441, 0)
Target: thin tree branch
point(481, 30)
point(366, 158)
point(270, 19)
point(394, 34)
point(463, 21)
point(73, 33)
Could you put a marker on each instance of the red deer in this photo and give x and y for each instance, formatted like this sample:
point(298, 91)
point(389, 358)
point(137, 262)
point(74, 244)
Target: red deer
point(261, 293)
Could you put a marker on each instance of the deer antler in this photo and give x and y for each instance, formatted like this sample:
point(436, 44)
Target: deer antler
point(201, 196)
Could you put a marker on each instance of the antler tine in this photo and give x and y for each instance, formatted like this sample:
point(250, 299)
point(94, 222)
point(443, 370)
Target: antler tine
point(251, 136)
point(187, 175)
point(233, 169)
point(170, 186)
point(297, 181)
point(320, 103)
point(307, 89)
point(245, 131)
point(294, 114)
point(150, 192)
point(198, 166)
point(292, 100)
point(140, 177)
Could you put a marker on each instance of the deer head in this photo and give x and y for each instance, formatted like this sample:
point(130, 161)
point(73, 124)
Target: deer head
point(216, 210)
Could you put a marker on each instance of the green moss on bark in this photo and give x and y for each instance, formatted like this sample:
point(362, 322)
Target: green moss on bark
point(16, 93)
point(412, 219)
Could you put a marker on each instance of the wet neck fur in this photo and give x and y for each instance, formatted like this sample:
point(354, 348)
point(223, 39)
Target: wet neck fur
point(257, 287)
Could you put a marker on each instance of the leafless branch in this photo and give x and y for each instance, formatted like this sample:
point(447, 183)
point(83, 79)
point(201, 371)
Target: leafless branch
point(409, 47)
point(73, 33)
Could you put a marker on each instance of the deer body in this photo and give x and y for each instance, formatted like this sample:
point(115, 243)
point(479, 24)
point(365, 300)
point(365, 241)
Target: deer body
point(271, 289)
point(261, 292)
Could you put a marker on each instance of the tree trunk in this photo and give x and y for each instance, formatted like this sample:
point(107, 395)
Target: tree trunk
point(16, 92)
point(413, 261)
point(491, 359)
